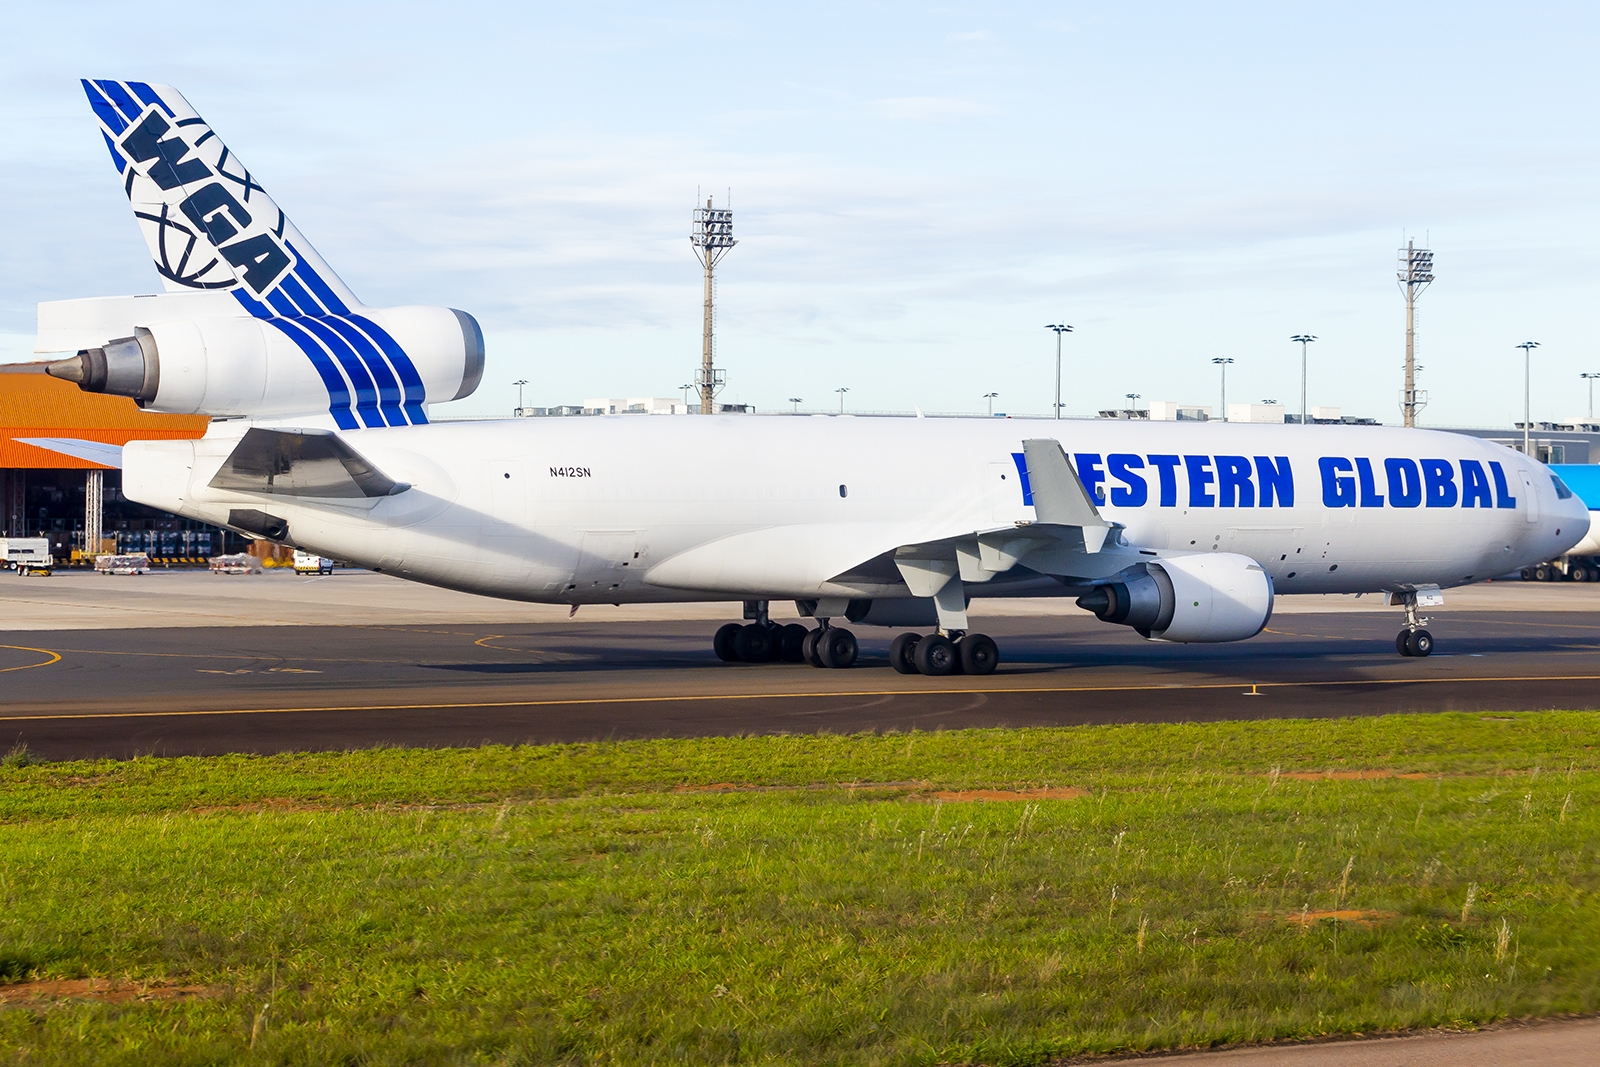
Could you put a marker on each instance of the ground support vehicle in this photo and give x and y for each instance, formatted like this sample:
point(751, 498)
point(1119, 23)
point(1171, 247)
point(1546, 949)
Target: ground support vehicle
point(235, 563)
point(30, 556)
point(126, 563)
point(311, 563)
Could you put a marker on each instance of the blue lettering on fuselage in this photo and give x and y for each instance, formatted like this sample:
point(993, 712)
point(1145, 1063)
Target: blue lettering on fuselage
point(1125, 480)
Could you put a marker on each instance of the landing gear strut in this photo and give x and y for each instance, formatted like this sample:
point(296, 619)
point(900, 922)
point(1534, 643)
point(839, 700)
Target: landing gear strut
point(1414, 640)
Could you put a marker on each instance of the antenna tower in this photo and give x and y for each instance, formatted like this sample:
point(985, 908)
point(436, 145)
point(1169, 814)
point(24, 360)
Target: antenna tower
point(711, 237)
point(1416, 274)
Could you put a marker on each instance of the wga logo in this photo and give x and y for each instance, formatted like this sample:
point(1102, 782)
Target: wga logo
point(213, 222)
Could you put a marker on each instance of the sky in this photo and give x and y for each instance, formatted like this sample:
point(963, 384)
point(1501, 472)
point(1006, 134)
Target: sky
point(918, 189)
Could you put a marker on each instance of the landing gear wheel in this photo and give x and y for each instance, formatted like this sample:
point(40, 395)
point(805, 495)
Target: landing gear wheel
point(722, 643)
point(837, 648)
point(753, 643)
point(790, 638)
point(1402, 642)
point(1541, 573)
point(1419, 642)
point(978, 653)
point(1580, 574)
point(902, 651)
point(936, 655)
point(808, 647)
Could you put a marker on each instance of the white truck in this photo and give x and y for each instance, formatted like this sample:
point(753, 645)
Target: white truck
point(311, 563)
point(28, 556)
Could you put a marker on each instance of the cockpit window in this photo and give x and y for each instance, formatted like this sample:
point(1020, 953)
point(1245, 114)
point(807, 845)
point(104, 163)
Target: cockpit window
point(1561, 487)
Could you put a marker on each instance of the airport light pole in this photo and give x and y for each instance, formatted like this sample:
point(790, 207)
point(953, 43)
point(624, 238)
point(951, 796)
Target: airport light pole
point(1223, 361)
point(843, 389)
point(1415, 275)
point(1527, 385)
point(686, 386)
point(1591, 378)
point(990, 398)
point(1132, 402)
point(712, 237)
point(519, 383)
point(1304, 339)
point(1060, 329)
point(795, 400)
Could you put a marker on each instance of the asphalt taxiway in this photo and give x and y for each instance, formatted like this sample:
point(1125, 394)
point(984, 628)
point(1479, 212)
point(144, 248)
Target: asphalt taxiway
point(276, 663)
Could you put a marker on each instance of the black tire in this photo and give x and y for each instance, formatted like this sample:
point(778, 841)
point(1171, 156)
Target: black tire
point(722, 643)
point(837, 648)
point(978, 653)
point(791, 638)
point(901, 652)
point(1402, 642)
point(1541, 573)
point(1579, 574)
point(1420, 643)
point(1527, 574)
point(936, 655)
point(753, 643)
point(808, 647)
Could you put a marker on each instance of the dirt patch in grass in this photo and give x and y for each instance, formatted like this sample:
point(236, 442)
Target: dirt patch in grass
point(1065, 792)
point(1356, 916)
point(100, 989)
point(1350, 776)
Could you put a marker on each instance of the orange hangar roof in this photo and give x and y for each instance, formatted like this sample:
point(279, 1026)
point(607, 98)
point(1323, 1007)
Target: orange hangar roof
point(33, 404)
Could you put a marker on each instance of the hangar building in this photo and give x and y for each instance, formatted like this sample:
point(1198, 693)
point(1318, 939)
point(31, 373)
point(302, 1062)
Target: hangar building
point(70, 501)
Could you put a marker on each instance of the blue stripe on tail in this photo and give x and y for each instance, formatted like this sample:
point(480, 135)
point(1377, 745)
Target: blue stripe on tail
point(119, 96)
point(354, 369)
point(389, 395)
point(338, 392)
point(104, 109)
point(416, 393)
point(150, 97)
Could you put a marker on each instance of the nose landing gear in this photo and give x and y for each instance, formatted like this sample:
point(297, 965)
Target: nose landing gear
point(1414, 640)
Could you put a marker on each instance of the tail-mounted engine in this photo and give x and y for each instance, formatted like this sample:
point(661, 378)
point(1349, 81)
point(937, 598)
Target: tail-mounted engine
point(1197, 598)
point(371, 367)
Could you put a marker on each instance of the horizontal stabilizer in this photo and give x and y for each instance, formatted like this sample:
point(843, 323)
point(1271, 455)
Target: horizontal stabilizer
point(307, 463)
point(89, 451)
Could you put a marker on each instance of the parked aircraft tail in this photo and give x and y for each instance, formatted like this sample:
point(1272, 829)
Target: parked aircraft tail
point(208, 222)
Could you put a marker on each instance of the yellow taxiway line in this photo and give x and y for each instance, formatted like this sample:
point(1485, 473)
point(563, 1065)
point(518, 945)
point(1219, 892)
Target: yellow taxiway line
point(707, 697)
point(54, 658)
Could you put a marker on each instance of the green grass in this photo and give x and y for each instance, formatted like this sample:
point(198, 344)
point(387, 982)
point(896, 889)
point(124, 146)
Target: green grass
point(576, 904)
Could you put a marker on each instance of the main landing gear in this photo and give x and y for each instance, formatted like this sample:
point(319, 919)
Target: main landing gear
point(938, 654)
point(761, 640)
point(1414, 640)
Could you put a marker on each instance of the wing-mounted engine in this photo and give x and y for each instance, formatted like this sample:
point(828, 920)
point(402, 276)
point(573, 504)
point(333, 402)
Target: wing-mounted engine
point(368, 367)
point(1217, 596)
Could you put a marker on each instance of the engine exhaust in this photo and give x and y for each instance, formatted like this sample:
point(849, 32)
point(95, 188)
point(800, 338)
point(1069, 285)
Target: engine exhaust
point(128, 366)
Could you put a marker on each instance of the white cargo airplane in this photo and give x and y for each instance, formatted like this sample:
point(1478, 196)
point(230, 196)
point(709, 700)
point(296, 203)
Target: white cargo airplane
point(321, 439)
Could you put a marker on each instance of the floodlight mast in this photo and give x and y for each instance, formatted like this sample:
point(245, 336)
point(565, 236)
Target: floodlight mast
point(711, 237)
point(1416, 274)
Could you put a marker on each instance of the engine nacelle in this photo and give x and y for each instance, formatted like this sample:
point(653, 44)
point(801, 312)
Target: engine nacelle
point(1217, 596)
point(374, 367)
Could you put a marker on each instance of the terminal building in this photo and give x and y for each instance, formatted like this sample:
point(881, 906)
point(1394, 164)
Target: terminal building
point(79, 505)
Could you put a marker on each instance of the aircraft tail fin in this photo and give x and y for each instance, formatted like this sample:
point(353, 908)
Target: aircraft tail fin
point(208, 222)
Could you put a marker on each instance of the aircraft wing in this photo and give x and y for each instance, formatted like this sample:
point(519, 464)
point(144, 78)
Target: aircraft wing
point(1069, 538)
point(91, 451)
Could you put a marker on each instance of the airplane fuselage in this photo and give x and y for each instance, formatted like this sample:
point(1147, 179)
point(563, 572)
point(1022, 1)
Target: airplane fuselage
point(624, 509)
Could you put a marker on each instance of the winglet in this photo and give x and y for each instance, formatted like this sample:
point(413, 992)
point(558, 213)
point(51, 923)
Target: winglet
point(1058, 493)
